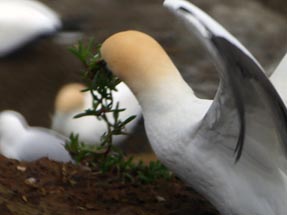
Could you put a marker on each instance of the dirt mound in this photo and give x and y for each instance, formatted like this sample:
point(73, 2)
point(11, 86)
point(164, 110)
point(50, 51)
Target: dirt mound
point(47, 187)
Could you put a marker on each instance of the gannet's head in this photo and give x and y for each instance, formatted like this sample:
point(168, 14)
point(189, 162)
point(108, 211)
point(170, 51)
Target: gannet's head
point(70, 98)
point(138, 60)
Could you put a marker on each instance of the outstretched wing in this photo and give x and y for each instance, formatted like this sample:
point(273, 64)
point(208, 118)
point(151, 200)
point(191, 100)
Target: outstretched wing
point(203, 25)
point(246, 102)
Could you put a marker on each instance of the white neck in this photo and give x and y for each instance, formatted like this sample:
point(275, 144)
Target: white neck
point(168, 107)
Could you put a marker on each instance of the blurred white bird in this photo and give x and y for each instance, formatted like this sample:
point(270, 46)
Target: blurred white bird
point(22, 21)
point(70, 101)
point(232, 149)
point(24, 143)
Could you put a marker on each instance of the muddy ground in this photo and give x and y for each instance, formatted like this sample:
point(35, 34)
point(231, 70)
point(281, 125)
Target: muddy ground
point(49, 188)
point(31, 78)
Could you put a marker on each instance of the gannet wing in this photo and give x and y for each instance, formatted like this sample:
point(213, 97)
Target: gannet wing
point(22, 21)
point(279, 79)
point(279, 76)
point(246, 101)
point(197, 21)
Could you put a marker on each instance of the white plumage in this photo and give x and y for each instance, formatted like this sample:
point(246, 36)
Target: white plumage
point(24, 143)
point(232, 149)
point(70, 101)
point(22, 21)
point(279, 79)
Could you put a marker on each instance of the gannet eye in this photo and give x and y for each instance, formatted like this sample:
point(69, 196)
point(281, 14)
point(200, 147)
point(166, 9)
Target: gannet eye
point(103, 64)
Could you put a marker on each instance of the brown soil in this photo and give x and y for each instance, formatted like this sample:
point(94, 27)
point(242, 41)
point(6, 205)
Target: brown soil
point(47, 187)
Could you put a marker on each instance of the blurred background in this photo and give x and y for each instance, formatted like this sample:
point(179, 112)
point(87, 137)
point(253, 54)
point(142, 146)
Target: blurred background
point(31, 77)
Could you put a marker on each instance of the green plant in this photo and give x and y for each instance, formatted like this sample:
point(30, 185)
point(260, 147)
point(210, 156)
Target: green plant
point(105, 157)
point(125, 168)
point(101, 83)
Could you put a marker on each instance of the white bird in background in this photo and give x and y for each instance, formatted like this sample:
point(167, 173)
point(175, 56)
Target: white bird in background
point(24, 143)
point(196, 18)
point(70, 101)
point(22, 21)
point(200, 140)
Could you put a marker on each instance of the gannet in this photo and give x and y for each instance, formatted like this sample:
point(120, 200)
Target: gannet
point(232, 149)
point(193, 17)
point(21, 142)
point(22, 21)
point(70, 101)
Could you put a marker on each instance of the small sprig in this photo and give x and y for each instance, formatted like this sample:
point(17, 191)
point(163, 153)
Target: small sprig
point(115, 162)
point(101, 83)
